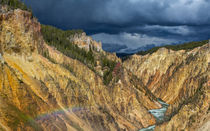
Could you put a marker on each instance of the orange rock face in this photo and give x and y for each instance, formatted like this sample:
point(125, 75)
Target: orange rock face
point(61, 93)
point(37, 93)
point(180, 78)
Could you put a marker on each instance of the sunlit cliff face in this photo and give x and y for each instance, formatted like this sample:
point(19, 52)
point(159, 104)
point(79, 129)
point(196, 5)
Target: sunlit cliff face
point(39, 93)
point(61, 93)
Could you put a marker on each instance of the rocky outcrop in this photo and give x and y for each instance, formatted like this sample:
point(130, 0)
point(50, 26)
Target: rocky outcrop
point(86, 42)
point(192, 114)
point(58, 92)
point(20, 33)
point(180, 79)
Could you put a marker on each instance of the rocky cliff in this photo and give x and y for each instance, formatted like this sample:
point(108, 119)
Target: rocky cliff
point(58, 92)
point(86, 42)
point(180, 79)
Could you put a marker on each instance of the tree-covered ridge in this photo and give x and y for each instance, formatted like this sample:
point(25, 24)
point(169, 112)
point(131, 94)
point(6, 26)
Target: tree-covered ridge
point(60, 40)
point(15, 4)
point(185, 46)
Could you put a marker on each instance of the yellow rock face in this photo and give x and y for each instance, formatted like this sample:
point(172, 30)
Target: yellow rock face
point(40, 94)
point(180, 79)
point(61, 93)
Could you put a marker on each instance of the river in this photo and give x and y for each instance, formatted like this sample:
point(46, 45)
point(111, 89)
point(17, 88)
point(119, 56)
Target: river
point(158, 114)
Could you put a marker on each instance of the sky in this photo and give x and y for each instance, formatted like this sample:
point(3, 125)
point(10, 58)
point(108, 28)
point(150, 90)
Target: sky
point(134, 23)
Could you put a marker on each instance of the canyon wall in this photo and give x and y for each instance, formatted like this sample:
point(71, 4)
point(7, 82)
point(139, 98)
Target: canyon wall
point(61, 93)
point(180, 78)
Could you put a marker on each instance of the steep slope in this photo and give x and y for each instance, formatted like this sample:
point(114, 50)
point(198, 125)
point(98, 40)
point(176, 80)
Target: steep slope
point(60, 93)
point(180, 79)
point(45, 85)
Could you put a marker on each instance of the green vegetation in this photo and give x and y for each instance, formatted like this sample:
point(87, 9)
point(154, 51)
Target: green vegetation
point(108, 65)
point(15, 4)
point(59, 39)
point(185, 46)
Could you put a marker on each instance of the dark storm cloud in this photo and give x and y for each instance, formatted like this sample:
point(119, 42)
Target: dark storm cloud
point(165, 19)
point(122, 13)
point(65, 13)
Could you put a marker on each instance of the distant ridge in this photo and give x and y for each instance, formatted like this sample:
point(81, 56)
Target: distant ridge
point(184, 46)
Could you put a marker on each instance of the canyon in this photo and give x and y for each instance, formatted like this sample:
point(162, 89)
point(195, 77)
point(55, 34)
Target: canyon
point(56, 92)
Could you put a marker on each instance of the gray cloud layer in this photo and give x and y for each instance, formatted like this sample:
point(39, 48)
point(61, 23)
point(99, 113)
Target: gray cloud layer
point(180, 20)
